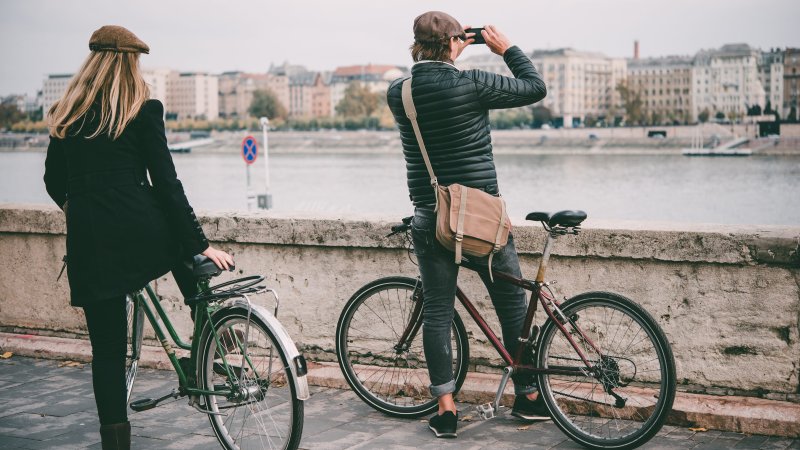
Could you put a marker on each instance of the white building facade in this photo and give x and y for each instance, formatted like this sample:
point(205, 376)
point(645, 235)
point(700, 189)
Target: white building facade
point(727, 80)
point(192, 95)
point(53, 89)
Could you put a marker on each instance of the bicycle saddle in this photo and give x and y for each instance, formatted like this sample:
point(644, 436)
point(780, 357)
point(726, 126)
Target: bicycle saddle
point(202, 266)
point(567, 218)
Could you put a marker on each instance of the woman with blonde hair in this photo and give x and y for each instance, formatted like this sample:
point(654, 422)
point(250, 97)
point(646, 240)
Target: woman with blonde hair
point(122, 231)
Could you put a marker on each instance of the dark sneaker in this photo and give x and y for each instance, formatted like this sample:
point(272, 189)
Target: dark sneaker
point(530, 409)
point(444, 426)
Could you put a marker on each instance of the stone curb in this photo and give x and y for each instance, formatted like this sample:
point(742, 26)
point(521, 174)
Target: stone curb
point(726, 413)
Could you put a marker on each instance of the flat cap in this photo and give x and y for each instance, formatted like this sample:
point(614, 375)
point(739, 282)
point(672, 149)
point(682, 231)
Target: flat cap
point(435, 26)
point(114, 38)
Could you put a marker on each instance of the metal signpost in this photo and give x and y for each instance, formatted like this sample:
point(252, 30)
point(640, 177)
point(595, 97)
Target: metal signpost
point(265, 200)
point(249, 154)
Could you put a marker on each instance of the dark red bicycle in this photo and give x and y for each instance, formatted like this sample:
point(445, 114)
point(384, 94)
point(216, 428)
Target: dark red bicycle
point(604, 366)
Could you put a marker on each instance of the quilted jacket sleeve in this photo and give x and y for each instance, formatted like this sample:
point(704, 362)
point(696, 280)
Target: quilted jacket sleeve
point(498, 91)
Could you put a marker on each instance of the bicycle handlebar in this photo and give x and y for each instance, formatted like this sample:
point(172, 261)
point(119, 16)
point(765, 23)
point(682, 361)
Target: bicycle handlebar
point(401, 227)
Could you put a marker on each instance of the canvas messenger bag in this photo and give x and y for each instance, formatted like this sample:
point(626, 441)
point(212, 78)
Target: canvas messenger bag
point(468, 221)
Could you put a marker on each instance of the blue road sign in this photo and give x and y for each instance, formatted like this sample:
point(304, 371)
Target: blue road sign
point(249, 149)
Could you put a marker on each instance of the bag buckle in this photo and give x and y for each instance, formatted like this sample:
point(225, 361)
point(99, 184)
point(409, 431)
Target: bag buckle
point(459, 237)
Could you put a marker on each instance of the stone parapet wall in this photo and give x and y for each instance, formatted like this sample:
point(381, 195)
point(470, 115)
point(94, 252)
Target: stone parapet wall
point(728, 297)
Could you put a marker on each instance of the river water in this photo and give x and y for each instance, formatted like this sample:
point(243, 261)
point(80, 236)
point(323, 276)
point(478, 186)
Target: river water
point(748, 190)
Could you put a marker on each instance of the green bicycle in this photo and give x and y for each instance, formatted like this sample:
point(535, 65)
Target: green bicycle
point(243, 369)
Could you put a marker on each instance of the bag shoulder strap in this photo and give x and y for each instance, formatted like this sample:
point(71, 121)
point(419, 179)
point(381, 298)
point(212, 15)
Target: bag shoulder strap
point(411, 113)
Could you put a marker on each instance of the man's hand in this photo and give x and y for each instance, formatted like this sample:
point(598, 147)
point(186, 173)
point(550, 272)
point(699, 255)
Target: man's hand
point(497, 42)
point(457, 45)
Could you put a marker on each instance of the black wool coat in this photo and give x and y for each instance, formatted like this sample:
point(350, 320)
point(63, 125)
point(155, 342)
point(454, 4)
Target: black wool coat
point(122, 232)
point(453, 114)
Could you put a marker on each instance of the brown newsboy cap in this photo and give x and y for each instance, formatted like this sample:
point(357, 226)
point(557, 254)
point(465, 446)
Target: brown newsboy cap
point(435, 26)
point(114, 38)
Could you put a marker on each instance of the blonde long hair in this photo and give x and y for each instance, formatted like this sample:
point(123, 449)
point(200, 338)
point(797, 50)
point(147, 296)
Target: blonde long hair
point(113, 79)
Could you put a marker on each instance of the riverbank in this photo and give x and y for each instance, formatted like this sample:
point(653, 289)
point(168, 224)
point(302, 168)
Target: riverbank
point(632, 141)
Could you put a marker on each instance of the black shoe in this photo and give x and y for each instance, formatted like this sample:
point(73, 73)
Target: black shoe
point(444, 426)
point(530, 409)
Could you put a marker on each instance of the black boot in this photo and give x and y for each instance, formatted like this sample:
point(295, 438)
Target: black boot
point(116, 436)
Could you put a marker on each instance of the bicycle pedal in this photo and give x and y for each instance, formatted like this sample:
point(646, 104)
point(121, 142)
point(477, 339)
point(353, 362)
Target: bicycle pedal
point(143, 404)
point(486, 411)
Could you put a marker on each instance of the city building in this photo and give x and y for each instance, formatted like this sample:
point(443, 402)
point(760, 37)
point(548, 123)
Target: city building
point(192, 95)
point(53, 89)
point(24, 103)
point(157, 81)
point(726, 80)
point(236, 91)
point(580, 84)
point(665, 88)
point(310, 95)
point(770, 72)
point(791, 83)
point(375, 77)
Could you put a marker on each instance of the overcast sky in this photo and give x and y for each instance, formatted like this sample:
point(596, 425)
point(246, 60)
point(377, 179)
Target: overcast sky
point(38, 37)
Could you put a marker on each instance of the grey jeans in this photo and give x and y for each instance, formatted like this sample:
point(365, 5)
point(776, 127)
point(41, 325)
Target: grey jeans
point(439, 274)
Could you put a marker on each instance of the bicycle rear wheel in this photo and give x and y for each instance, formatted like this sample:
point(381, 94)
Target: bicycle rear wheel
point(262, 410)
point(133, 350)
point(391, 379)
point(626, 398)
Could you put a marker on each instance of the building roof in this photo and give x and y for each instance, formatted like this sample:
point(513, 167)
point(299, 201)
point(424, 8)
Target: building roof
point(663, 61)
point(369, 69)
point(286, 69)
point(303, 79)
point(566, 52)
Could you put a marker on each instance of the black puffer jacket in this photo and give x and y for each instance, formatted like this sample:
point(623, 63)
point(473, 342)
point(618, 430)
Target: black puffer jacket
point(452, 111)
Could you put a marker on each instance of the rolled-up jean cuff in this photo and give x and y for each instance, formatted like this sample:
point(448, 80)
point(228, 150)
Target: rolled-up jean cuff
point(525, 390)
point(443, 389)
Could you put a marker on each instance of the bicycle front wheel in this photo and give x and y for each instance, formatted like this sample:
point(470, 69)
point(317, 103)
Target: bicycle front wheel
point(388, 375)
point(259, 408)
point(624, 397)
point(133, 350)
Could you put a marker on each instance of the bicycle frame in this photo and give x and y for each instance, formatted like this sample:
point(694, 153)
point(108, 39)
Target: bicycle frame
point(549, 305)
point(202, 312)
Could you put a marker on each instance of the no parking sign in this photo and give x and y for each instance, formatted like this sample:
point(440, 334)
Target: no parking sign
point(249, 150)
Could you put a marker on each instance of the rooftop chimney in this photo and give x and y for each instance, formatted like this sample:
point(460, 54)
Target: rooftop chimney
point(636, 49)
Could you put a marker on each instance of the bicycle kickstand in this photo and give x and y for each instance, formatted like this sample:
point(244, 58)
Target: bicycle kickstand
point(489, 410)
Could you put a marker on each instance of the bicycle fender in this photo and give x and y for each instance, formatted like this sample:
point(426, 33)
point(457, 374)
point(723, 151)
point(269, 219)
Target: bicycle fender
point(284, 341)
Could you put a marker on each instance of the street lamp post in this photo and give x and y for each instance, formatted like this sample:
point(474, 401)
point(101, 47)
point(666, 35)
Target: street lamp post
point(265, 200)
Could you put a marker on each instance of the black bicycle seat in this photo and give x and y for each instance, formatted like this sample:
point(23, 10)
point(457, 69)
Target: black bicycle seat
point(567, 218)
point(203, 266)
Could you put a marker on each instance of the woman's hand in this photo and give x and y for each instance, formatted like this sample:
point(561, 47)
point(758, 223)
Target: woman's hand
point(220, 258)
point(497, 42)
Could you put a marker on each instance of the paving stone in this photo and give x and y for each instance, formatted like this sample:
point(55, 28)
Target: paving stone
point(46, 406)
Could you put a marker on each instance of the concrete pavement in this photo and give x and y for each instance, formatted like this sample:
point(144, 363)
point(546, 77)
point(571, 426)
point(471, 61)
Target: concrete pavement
point(49, 404)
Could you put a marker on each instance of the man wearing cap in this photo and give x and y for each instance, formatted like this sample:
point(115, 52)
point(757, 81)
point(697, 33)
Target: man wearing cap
point(452, 110)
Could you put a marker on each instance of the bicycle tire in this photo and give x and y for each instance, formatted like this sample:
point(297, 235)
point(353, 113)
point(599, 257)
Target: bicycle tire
point(134, 335)
point(406, 394)
point(636, 363)
point(264, 412)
